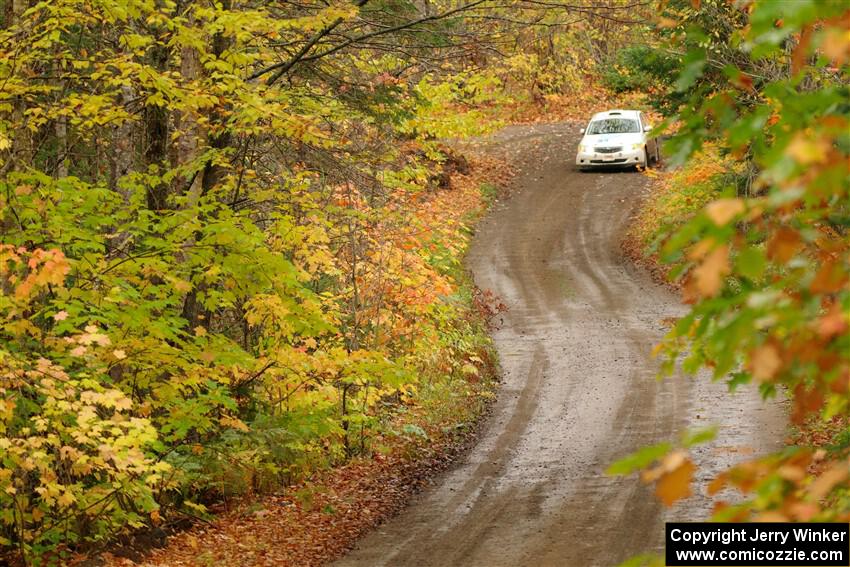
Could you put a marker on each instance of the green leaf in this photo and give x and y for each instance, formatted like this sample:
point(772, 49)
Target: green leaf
point(751, 263)
point(698, 436)
point(639, 459)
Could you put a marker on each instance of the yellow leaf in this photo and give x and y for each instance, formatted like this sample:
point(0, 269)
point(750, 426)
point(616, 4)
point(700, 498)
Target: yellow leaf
point(724, 210)
point(233, 422)
point(66, 499)
point(469, 369)
point(806, 151)
point(119, 354)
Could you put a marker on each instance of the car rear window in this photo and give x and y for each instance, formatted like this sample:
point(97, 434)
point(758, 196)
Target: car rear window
point(613, 126)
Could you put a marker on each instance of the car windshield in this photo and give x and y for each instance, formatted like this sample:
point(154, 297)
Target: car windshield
point(613, 126)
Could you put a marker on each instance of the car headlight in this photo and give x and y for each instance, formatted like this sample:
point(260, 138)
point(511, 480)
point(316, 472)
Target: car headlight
point(637, 146)
point(582, 148)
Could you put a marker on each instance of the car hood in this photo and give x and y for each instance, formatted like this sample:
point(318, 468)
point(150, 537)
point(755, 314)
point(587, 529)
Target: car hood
point(613, 139)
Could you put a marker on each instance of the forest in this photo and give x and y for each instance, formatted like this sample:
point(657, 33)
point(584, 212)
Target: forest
point(232, 237)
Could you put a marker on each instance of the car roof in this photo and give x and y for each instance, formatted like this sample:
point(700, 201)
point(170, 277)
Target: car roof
point(616, 114)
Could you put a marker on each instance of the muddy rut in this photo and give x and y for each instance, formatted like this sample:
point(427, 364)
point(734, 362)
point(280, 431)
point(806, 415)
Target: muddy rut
point(579, 387)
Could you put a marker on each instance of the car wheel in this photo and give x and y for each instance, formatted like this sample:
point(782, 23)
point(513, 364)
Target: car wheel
point(644, 163)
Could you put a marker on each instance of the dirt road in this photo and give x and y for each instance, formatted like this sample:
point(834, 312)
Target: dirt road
point(579, 388)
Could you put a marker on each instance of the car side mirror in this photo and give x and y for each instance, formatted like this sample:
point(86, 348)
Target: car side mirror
point(647, 128)
point(581, 131)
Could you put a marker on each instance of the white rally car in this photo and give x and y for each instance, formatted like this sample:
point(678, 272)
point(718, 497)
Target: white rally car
point(617, 138)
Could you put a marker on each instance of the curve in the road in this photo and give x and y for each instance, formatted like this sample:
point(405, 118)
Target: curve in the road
point(579, 387)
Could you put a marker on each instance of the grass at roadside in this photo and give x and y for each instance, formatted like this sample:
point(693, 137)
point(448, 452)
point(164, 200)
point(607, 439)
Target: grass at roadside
point(675, 197)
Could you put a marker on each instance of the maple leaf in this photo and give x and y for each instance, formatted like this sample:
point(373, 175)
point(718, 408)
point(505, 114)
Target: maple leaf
point(784, 244)
point(66, 499)
point(765, 362)
point(672, 477)
point(724, 210)
point(828, 480)
point(836, 45)
point(830, 278)
point(806, 151)
point(710, 274)
point(806, 401)
point(79, 351)
point(676, 484)
point(834, 323)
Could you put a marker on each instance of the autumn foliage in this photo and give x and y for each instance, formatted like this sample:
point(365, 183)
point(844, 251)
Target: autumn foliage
point(230, 241)
point(761, 248)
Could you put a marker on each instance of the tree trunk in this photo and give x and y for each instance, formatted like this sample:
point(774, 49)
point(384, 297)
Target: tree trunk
point(123, 146)
point(156, 137)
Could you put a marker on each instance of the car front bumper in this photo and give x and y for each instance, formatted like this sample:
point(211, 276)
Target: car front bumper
point(623, 158)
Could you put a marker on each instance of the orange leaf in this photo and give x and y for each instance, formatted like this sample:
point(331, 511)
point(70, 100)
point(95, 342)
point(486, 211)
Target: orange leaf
point(836, 45)
point(744, 81)
point(710, 273)
point(718, 484)
point(803, 512)
point(690, 295)
point(765, 362)
point(784, 244)
point(829, 480)
point(722, 211)
point(829, 279)
point(798, 57)
point(791, 473)
point(806, 403)
point(676, 484)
